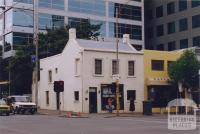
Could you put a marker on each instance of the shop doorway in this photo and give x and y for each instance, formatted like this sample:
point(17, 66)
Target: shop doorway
point(93, 100)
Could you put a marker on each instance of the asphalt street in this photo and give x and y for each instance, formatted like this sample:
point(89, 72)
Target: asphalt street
point(95, 124)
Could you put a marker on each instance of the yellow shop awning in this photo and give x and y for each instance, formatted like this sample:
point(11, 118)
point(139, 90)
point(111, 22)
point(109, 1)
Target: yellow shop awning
point(158, 81)
point(4, 82)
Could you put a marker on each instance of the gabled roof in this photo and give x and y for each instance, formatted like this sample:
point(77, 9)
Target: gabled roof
point(105, 46)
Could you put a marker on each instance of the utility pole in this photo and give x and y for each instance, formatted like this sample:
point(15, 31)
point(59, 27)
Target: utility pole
point(35, 31)
point(117, 60)
point(117, 12)
point(199, 90)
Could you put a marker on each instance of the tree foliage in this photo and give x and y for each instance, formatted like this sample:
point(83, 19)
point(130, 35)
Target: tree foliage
point(50, 43)
point(185, 70)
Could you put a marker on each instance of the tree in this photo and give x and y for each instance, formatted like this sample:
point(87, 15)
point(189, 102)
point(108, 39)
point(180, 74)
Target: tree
point(50, 43)
point(185, 70)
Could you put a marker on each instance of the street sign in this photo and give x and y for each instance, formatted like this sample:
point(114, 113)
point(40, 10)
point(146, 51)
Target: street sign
point(33, 58)
point(116, 77)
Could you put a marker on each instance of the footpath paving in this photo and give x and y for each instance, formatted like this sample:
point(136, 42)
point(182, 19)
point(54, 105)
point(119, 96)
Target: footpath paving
point(101, 115)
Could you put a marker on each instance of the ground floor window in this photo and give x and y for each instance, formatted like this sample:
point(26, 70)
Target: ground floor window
point(47, 97)
point(161, 95)
point(76, 95)
point(109, 91)
point(131, 94)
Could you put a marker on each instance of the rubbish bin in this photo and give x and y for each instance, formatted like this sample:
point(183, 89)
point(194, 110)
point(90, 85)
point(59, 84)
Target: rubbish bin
point(147, 107)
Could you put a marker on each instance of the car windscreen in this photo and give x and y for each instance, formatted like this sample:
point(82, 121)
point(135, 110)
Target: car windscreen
point(21, 99)
point(2, 102)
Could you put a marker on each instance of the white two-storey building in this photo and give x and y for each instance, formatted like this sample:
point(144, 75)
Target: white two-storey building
point(87, 68)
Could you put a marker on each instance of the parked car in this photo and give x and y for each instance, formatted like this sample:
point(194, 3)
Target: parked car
point(4, 108)
point(21, 104)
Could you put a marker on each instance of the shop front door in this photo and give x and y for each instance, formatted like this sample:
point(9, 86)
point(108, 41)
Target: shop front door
point(93, 100)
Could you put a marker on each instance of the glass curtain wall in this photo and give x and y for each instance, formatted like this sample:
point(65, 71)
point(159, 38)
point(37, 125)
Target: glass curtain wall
point(96, 7)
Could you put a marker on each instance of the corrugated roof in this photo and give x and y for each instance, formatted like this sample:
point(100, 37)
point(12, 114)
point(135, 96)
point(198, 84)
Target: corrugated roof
point(105, 46)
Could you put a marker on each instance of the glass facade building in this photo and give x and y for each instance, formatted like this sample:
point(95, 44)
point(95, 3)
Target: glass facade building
point(17, 22)
point(180, 21)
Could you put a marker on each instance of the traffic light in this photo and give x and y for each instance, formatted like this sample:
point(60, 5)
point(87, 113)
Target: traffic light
point(58, 86)
point(61, 86)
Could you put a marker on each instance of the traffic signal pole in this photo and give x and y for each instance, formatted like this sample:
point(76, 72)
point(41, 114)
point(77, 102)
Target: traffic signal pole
point(59, 87)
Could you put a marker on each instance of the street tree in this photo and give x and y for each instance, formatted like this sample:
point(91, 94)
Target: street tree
point(184, 71)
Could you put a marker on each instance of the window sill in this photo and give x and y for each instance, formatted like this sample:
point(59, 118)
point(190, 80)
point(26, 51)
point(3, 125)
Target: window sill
point(131, 76)
point(114, 76)
point(98, 75)
point(77, 75)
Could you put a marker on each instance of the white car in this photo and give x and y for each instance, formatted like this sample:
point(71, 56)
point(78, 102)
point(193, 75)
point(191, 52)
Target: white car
point(21, 104)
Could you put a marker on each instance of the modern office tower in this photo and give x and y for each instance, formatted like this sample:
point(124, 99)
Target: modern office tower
point(172, 24)
point(17, 21)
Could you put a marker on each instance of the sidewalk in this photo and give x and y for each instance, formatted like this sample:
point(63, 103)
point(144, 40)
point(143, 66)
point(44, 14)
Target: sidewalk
point(101, 115)
point(58, 113)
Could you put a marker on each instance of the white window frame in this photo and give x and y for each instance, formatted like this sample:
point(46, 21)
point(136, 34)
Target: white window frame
point(102, 73)
point(77, 67)
point(130, 76)
point(50, 78)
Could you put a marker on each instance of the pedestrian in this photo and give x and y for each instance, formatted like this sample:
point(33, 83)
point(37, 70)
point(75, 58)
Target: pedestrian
point(110, 108)
point(132, 105)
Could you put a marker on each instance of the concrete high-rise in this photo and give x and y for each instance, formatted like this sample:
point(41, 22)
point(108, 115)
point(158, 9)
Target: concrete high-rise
point(172, 24)
point(16, 21)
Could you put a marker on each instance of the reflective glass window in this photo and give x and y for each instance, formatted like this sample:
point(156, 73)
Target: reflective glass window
point(134, 31)
point(125, 11)
point(55, 4)
point(74, 22)
point(182, 5)
point(24, 1)
point(96, 7)
point(22, 38)
point(183, 43)
point(183, 24)
point(195, 21)
point(23, 18)
point(195, 3)
point(196, 41)
point(171, 27)
point(50, 21)
point(157, 65)
point(170, 8)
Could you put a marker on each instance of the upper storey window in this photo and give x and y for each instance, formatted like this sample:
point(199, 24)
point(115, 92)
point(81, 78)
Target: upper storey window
point(23, 18)
point(24, 1)
point(55, 4)
point(96, 7)
point(125, 11)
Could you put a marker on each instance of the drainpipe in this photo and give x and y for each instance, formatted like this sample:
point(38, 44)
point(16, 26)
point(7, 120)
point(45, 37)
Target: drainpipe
point(82, 77)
